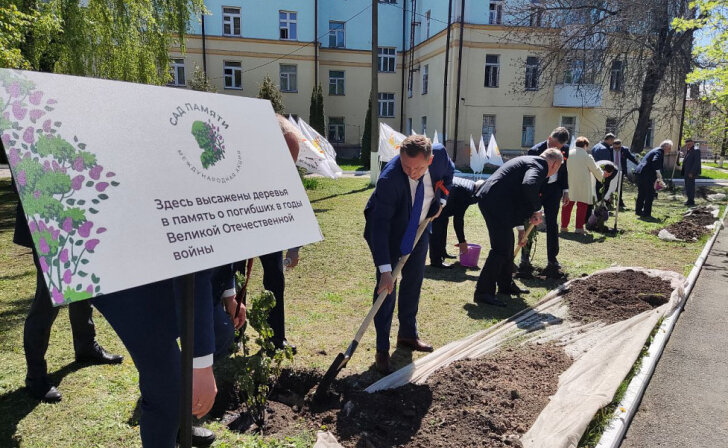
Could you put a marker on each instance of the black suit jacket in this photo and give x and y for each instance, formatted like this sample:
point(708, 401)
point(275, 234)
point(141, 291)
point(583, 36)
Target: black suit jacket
point(563, 179)
point(21, 236)
point(462, 196)
point(691, 163)
point(513, 190)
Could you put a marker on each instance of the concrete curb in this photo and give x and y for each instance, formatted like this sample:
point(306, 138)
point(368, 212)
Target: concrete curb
point(614, 433)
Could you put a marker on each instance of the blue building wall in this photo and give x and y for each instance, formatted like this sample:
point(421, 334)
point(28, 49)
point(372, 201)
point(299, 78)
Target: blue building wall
point(259, 19)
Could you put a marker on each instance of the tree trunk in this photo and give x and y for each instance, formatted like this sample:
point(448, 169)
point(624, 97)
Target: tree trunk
point(650, 86)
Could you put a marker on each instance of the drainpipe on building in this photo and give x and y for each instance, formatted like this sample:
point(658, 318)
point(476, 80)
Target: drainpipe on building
point(315, 44)
point(374, 156)
point(447, 65)
point(460, 69)
point(404, 64)
point(204, 51)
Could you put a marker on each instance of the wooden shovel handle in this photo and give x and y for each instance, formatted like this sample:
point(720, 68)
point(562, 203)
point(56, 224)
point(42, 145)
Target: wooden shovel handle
point(518, 246)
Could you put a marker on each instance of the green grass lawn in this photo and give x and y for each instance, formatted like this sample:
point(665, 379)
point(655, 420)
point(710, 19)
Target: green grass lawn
point(716, 165)
point(351, 165)
point(327, 296)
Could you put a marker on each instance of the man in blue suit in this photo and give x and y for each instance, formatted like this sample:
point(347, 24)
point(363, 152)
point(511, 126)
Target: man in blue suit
point(412, 188)
point(603, 149)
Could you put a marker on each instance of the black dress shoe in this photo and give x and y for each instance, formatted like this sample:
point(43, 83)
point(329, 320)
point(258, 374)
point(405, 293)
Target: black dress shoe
point(441, 265)
point(449, 256)
point(513, 290)
point(488, 299)
point(201, 437)
point(98, 356)
point(281, 345)
point(42, 390)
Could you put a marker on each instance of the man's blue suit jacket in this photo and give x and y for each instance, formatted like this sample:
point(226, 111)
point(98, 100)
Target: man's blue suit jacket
point(388, 210)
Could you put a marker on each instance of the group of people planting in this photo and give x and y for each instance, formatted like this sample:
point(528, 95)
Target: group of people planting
point(416, 187)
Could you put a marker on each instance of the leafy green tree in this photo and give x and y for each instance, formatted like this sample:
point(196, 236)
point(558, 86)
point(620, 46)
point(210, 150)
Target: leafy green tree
point(200, 81)
point(127, 40)
point(366, 139)
point(270, 91)
point(316, 111)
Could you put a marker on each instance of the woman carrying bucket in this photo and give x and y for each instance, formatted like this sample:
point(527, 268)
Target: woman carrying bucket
point(462, 196)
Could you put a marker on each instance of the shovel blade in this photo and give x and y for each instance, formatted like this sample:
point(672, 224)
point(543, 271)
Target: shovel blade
point(336, 367)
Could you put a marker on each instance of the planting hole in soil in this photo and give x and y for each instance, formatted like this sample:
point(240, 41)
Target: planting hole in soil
point(486, 402)
point(614, 296)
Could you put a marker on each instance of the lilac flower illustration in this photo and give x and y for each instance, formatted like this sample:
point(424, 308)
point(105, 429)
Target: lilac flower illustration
point(63, 256)
point(21, 178)
point(6, 140)
point(85, 229)
point(57, 296)
point(78, 164)
point(67, 277)
point(43, 264)
point(47, 126)
point(35, 97)
point(67, 225)
point(18, 110)
point(36, 194)
point(95, 172)
point(14, 90)
point(91, 244)
point(35, 114)
point(77, 182)
point(101, 186)
point(43, 245)
point(29, 135)
point(101, 230)
point(13, 157)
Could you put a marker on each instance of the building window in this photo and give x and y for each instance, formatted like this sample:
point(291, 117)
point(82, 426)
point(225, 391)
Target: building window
point(528, 130)
point(532, 73)
point(233, 75)
point(336, 35)
point(423, 122)
point(288, 25)
point(409, 125)
point(177, 70)
point(492, 67)
point(289, 78)
point(616, 78)
point(425, 78)
point(488, 127)
point(387, 58)
point(650, 133)
point(388, 1)
point(574, 72)
point(496, 13)
point(230, 21)
point(336, 129)
point(386, 104)
point(336, 82)
point(428, 15)
point(535, 19)
point(570, 124)
point(611, 126)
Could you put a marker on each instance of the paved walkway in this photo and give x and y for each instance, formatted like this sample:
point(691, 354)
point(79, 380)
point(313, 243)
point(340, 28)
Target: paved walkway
point(4, 171)
point(686, 402)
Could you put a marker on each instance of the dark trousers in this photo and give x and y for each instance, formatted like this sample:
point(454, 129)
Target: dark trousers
point(690, 188)
point(438, 239)
point(551, 201)
point(274, 280)
point(37, 331)
point(497, 268)
point(146, 321)
point(645, 195)
point(409, 297)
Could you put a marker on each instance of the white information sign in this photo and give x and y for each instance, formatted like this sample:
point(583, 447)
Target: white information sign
point(127, 184)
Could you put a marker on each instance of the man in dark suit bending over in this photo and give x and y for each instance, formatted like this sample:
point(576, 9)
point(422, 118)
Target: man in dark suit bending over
point(507, 199)
point(412, 187)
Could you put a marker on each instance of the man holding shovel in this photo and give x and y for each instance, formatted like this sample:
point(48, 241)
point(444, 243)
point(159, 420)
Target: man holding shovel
point(508, 198)
point(413, 187)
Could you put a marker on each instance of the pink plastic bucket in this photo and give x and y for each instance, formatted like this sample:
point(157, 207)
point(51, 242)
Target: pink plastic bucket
point(470, 258)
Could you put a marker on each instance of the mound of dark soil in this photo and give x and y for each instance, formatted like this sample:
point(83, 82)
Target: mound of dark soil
point(614, 296)
point(487, 402)
point(686, 230)
point(702, 216)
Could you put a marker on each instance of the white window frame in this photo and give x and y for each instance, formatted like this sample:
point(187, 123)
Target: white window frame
point(290, 78)
point(527, 140)
point(338, 83)
point(335, 32)
point(492, 76)
point(495, 13)
point(284, 23)
point(175, 66)
point(532, 73)
point(231, 75)
point(428, 18)
point(386, 104)
point(387, 59)
point(229, 19)
point(575, 129)
point(425, 78)
point(489, 128)
point(338, 129)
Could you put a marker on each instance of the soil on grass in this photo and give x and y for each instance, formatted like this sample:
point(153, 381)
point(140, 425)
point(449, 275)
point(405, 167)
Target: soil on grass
point(692, 227)
point(614, 296)
point(486, 402)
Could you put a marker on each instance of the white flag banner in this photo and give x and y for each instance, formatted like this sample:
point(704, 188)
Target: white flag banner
point(413, 132)
point(320, 142)
point(482, 152)
point(494, 156)
point(293, 122)
point(435, 139)
point(476, 161)
point(389, 142)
